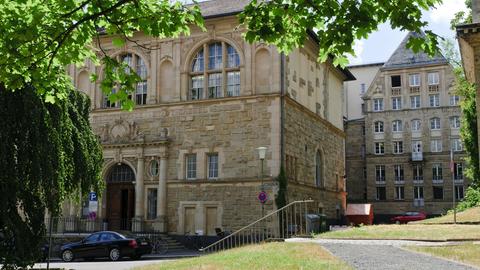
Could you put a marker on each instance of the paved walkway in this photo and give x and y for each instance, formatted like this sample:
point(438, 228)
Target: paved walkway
point(385, 254)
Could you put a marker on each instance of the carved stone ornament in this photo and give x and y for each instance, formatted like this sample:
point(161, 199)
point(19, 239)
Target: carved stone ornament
point(121, 131)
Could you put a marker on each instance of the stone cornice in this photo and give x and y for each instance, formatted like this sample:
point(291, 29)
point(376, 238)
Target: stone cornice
point(326, 123)
point(163, 142)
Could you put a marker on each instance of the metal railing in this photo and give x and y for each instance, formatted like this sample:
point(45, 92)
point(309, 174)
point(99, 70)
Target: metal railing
point(61, 225)
point(286, 222)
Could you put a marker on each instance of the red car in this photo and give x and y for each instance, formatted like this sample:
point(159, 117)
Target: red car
point(409, 216)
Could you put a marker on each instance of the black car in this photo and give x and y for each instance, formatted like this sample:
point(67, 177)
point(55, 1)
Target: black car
point(113, 245)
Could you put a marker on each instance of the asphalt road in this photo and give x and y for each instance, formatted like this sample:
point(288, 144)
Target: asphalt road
point(101, 264)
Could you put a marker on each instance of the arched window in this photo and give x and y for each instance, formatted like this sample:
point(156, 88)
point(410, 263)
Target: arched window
point(120, 173)
point(216, 68)
point(137, 64)
point(318, 170)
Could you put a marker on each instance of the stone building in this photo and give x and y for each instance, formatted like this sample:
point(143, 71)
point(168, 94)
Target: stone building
point(412, 120)
point(185, 159)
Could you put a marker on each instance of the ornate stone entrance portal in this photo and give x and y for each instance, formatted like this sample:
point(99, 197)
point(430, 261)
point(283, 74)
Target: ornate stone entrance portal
point(120, 197)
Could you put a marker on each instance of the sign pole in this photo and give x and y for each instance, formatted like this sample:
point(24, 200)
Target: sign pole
point(452, 169)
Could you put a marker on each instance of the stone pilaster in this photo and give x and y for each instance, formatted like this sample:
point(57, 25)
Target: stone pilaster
point(160, 224)
point(139, 209)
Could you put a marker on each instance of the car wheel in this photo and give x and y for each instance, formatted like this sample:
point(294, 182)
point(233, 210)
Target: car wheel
point(67, 255)
point(114, 254)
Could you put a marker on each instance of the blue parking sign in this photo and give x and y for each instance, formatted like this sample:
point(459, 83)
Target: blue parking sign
point(92, 196)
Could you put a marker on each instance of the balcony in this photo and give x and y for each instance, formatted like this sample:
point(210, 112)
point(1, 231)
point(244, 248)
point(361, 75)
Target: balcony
point(380, 180)
point(396, 91)
point(418, 179)
point(414, 89)
point(417, 156)
point(418, 202)
point(399, 181)
point(458, 180)
point(433, 88)
point(437, 181)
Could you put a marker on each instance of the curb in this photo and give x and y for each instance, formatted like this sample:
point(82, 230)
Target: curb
point(407, 239)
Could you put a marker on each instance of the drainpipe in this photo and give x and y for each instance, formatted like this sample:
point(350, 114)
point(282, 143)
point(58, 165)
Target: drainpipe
point(282, 109)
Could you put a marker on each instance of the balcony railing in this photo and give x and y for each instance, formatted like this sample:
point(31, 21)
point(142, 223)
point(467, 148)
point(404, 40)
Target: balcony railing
point(418, 179)
point(417, 156)
point(418, 202)
point(433, 88)
point(396, 91)
point(437, 180)
point(414, 89)
point(458, 180)
point(380, 180)
point(399, 180)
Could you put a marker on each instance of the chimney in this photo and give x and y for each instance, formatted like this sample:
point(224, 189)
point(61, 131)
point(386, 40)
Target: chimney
point(476, 11)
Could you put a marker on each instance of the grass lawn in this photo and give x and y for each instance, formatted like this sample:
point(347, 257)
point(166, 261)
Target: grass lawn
point(410, 231)
point(264, 256)
point(466, 253)
point(467, 216)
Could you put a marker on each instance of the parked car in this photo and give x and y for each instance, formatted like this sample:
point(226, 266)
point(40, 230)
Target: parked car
point(109, 244)
point(409, 216)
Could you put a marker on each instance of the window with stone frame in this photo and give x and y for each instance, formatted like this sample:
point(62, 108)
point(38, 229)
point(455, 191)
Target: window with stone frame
point(397, 126)
point(398, 172)
point(153, 168)
point(437, 192)
point(399, 193)
point(416, 124)
point(396, 81)
point(455, 122)
point(378, 127)
point(379, 148)
point(417, 172)
point(459, 192)
point(415, 102)
point(396, 103)
point(435, 123)
point(433, 78)
point(381, 194)
point(398, 147)
point(454, 100)
point(378, 104)
point(437, 171)
point(418, 192)
point(191, 166)
point(434, 100)
point(458, 171)
point(215, 72)
point(212, 165)
point(134, 63)
point(436, 145)
point(456, 145)
point(414, 79)
point(151, 203)
point(380, 173)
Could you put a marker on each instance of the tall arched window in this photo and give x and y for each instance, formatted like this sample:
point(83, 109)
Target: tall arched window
point(137, 64)
point(318, 170)
point(216, 68)
point(120, 173)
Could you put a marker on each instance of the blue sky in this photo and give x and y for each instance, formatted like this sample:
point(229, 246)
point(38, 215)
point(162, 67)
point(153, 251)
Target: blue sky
point(381, 44)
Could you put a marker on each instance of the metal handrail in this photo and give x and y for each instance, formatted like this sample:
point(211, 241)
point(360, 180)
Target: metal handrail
point(230, 236)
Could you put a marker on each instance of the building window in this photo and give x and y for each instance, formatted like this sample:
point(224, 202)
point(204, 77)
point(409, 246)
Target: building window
point(378, 104)
point(459, 193)
point(434, 100)
point(433, 78)
point(437, 171)
point(381, 194)
point(396, 81)
point(362, 88)
point(152, 203)
point(398, 172)
point(417, 172)
point(414, 80)
point(436, 145)
point(414, 102)
point(212, 165)
point(380, 173)
point(418, 192)
point(456, 145)
point(458, 171)
point(454, 100)
point(435, 123)
point(378, 127)
point(379, 148)
point(318, 169)
point(191, 166)
point(363, 131)
point(417, 146)
point(363, 151)
point(396, 103)
point(455, 122)
point(221, 73)
point(437, 193)
point(153, 168)
point(398, 147)
point(107, 103)
point(416, 125)
point(399, 193)
point(397, 126)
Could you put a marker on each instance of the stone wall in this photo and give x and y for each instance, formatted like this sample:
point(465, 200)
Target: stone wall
point(355, 160)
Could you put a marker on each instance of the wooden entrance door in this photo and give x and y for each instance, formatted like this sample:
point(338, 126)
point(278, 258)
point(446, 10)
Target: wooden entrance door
point(120, 205)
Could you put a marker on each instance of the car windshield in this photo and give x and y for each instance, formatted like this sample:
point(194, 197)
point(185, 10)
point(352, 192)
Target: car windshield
point(92, 238)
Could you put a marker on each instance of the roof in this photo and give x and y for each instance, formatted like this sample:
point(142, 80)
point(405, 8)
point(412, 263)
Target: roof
point(404, 57)
point(219, 8)
point(358, 209)
point(366, 65)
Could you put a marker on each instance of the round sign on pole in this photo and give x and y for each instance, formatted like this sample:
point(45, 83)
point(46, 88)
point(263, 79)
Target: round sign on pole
point(262, 197)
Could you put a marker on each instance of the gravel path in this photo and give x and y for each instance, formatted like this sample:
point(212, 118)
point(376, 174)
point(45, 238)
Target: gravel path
point(385, 254)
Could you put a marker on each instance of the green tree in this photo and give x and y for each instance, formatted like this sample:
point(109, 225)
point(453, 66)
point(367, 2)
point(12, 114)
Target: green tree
point(48, 152)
